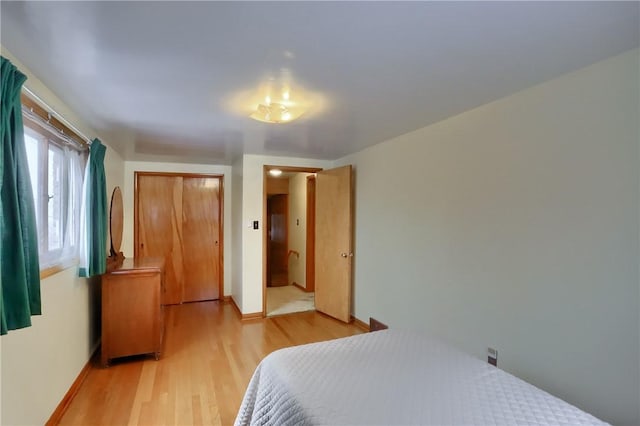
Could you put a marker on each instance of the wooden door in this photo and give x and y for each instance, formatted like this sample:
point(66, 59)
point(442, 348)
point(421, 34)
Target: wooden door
point(159, 228)
point(179, 218)
point(310, 275)
point(334, 242)
point(277, 212)
point(200, 229)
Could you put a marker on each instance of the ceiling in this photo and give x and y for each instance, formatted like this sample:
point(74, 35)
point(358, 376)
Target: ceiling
point(173, 79)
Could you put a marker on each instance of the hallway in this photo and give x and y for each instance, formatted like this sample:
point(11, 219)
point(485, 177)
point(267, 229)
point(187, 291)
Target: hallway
point(287, 299)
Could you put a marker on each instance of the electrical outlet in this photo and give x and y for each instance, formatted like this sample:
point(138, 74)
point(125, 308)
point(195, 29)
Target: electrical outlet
point(492, 356)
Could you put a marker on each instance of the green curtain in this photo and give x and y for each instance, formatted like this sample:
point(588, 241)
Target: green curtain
point(19, 265)
point(93, 243)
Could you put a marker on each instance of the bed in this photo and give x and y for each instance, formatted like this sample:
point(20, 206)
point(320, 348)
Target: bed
point(393, 377)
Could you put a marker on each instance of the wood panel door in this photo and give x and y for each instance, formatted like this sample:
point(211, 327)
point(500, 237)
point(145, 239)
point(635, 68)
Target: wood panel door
point(159, 228)
point(179, 218)
point(277, 259)
point(311, 235)
point(334, 256)
point(201, 230)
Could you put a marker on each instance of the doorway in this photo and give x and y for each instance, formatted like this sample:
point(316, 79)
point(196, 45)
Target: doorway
point(289, 232)
point(332, 259)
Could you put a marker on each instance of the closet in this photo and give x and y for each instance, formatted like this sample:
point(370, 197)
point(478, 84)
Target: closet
point(178, 217)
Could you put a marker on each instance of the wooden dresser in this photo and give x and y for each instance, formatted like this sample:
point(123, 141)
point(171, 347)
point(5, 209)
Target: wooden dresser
point(132, 311)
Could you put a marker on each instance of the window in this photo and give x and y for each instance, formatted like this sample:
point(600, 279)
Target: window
point(56, 164)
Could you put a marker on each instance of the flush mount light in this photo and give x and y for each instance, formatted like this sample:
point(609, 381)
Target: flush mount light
point(275, 172)
point(278, 108)
point(276, 99)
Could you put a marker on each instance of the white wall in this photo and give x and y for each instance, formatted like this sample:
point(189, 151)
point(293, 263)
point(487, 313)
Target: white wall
point(39, 363)
point(252, 209)
point(236, 233)
point(516, 225)
point(130, 167)
point(298, 228)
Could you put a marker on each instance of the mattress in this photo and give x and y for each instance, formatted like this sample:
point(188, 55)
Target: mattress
point(394, 377)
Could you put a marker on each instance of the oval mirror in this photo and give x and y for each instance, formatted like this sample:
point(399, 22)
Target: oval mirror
point(116, 217)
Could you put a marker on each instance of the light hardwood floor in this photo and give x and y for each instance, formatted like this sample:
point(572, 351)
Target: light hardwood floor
point(207, 361)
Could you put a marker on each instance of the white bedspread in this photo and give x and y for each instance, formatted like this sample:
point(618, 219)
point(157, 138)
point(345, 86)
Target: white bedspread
point(391, 378)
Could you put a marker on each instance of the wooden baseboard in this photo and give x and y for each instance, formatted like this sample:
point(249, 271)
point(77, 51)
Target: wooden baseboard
point(235, 308)
point(252, 316)
point(360, 324)
point(57, 414)
point(245, 317)
point(226, 299)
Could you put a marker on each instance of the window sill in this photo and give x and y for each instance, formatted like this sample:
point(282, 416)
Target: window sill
point(58, 267)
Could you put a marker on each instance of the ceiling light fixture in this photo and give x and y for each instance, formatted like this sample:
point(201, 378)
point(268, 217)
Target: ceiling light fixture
point(282, 110)
point(276, 99)
point(275, 172)
point(273, 112)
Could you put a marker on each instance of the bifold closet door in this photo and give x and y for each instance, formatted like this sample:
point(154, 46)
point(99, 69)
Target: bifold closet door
point(200, 230)
point(159, 228)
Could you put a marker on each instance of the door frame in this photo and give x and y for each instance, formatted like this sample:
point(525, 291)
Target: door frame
point(220, 177)
point(265, 174)
point(310, 268)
